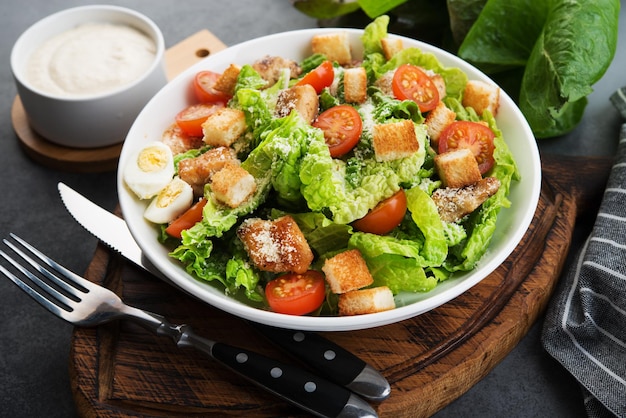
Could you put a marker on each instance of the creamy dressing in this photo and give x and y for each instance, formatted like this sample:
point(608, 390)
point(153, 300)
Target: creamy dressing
point(91, 59)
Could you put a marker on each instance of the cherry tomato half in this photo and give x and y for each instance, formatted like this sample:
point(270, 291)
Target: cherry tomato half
point(411, 83)
point(472, 135)
point(296, 294)
point(320, 77)
point(342, 126)
point(385, 216)
point(192, 216)
point(190, 120)
point(203, 84)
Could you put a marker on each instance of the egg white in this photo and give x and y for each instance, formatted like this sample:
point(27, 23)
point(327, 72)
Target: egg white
point(149, 170)
point(171, 202)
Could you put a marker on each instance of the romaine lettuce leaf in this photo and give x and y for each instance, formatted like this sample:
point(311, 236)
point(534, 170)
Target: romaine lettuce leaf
point(563, 46)
point(328, 185)
point(400, 274)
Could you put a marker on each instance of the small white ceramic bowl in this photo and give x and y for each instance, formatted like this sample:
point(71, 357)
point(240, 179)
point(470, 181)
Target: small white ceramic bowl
point(92, 121)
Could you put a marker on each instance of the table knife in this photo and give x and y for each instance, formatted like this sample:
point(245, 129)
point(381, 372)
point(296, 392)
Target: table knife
point(324, 356)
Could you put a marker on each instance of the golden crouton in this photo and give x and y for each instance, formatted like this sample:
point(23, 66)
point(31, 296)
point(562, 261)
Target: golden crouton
point(481, 95)
point(396, 140)
point(232, 185)
point(391, 46)
point(347, 271)
point(366, 301)
point(270, 68)
point(437, 120)
point(455, 203)
point(355, 85)
point(227, 80)
point(178, 141)
point(334, 46)
point(302, 98)
point(457, 168)
point(276, 246)
point(198, 171)
point(224, 127)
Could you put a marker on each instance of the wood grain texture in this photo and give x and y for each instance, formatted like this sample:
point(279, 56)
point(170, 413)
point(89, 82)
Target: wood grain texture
point(120, 370)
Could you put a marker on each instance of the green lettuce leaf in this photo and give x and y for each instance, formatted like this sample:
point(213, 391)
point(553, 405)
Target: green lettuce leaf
point(400, 274)
point(349, 190)
point(425, 215)
point(563, 46)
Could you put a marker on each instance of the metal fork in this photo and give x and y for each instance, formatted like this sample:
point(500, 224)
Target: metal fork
point(83, 303)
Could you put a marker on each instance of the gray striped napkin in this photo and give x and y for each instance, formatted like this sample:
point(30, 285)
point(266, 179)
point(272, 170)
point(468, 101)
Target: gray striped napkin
point(585, 324)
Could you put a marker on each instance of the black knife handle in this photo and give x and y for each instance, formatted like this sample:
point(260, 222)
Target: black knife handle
point(306, 390)
point(331, 360)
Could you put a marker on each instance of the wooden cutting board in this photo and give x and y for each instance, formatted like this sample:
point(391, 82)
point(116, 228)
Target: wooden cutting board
point(121, 370)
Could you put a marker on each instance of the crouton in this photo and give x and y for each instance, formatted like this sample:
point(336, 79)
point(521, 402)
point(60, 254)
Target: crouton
point(302, 98)
point(271, 67)
point(347, 271)
point(437, 120)
point(227, 80)
point(482, 96)
point(396, 140)
point(232, 185)
point(224, 127)
point(276, 246)
point(355, 85)
point(198, 171)
point(455, 203)
point(391, 46)
point(178, 141)
point(334, 46)
point(457, 168)
point(366, 301)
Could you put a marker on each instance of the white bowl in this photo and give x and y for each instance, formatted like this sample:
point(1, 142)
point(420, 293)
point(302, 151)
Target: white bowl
point(91, 121)
point(512, 222)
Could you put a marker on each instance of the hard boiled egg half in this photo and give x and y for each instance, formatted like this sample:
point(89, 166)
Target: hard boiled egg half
point(172, 201)
point(149, 170)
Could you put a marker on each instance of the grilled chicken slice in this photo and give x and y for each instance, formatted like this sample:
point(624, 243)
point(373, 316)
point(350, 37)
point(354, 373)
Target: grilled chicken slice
point(455, 203)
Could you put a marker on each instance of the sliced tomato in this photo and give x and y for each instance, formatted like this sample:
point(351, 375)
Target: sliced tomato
point(190, 119)
point(472, 135)
point(296, 294)
point(320, 77)
point(203, 84)
point(411, 83)
point(192, 216)
point(342, 126)
point(385, 216)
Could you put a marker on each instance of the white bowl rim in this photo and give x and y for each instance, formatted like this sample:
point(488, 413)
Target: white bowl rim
point(345, 323)
point(156, 35)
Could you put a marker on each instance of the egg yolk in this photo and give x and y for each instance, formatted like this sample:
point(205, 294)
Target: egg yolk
point(152, 159)
point(169, 194)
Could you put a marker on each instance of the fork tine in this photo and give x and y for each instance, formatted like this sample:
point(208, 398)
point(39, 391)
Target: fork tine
point(37, 267)
point(85, 284)
point(43, 285)
point(43, 301)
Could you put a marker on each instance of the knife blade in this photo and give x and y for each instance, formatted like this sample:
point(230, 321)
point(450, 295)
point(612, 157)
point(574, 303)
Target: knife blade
point(327, 358)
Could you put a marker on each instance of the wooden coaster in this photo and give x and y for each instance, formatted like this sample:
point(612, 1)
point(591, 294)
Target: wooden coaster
point(177, 58)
